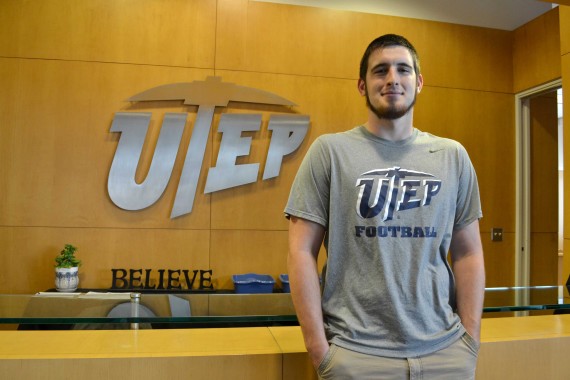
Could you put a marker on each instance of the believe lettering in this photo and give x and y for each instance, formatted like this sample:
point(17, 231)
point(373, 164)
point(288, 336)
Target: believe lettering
point(167, 279)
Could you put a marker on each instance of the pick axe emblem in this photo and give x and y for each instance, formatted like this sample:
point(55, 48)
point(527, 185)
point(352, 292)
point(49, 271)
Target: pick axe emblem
point(207, 95)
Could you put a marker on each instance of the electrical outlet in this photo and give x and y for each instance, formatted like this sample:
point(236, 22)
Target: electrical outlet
point(496, 234)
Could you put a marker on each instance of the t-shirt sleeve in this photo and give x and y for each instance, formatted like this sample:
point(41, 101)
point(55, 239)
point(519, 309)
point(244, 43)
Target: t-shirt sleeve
point(468, 199)
point(310, 192)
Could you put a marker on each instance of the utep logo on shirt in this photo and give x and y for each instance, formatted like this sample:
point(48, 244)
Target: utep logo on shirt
point(287, 134)
point(384, 192)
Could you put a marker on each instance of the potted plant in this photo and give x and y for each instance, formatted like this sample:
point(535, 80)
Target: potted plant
point(67, 269)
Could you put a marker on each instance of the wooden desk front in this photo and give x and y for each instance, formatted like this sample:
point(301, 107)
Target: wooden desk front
point(512, 348)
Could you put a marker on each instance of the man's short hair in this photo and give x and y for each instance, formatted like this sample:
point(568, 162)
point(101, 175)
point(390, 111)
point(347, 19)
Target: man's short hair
point(384, 41)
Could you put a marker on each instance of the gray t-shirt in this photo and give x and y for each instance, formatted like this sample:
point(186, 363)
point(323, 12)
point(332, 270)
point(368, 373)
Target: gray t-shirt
point(389, 209)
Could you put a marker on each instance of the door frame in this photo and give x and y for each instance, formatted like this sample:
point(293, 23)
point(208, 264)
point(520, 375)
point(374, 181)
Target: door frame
point(522, 224)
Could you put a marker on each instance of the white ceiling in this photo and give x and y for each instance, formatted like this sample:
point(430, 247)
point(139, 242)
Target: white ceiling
point(496, 14)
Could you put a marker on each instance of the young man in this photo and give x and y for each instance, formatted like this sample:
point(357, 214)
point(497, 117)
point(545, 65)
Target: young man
point(389, 202)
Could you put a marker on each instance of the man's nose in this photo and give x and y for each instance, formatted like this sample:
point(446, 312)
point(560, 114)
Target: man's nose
point(392, 76)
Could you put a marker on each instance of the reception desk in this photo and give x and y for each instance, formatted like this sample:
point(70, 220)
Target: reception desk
point(512, 348)
point(529, 347)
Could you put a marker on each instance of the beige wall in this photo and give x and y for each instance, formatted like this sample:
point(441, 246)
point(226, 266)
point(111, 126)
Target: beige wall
point(68, 66)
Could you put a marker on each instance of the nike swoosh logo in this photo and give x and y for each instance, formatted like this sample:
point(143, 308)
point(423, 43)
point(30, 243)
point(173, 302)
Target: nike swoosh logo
point(433, 150)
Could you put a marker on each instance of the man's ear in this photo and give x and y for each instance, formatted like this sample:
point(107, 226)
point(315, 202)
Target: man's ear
point(361, 86)
point(420, 83)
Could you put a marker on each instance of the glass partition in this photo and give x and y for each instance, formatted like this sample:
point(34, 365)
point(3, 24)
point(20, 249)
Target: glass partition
point(106, 310)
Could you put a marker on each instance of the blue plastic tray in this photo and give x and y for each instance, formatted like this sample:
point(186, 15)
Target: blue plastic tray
point(252, 283)
point(285, 283)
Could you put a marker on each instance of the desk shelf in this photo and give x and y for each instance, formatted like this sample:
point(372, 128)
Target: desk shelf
point(102, 309)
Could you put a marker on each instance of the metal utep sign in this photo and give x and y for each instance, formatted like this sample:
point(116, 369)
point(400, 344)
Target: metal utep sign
point(287, 134)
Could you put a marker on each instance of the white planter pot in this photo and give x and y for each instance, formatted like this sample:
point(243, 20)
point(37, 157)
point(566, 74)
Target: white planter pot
point(66, 279)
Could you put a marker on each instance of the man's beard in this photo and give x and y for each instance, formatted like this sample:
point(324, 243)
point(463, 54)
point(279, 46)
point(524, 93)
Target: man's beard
point(391, 112)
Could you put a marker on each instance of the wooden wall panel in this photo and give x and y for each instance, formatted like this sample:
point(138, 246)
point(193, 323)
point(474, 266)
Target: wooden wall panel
point(565, 51)
point(564, 28)
point(499, 259)
point(265, 37)
point(65, 78)
point(32, 251)
point(155, 32)
point(333, 105)
point(244, 251)
point(467, 58)
point(544, 189)
point(484, 123)
point(536, 52)
point(56, 159)
point(544, 163)
point(544, 258)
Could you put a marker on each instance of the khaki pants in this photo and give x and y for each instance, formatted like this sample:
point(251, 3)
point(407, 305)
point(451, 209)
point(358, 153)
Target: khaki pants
point(456, 362)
